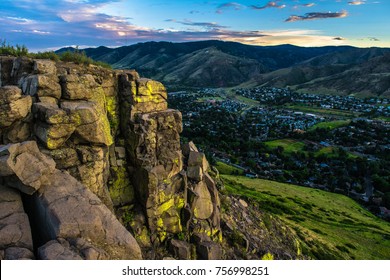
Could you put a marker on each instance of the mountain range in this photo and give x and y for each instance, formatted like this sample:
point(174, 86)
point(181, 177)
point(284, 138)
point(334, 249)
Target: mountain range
point(342, 70)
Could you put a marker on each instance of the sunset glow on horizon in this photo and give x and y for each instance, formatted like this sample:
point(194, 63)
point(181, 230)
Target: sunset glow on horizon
point(49, 25)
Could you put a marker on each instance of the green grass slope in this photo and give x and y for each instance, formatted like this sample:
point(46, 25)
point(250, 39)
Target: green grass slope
point(331, 124)
point(289, 145)
point(329, 226)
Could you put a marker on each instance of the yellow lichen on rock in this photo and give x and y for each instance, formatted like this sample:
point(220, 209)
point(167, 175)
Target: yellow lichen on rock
point(267, 257)
point(120, 187)
point(113, 113)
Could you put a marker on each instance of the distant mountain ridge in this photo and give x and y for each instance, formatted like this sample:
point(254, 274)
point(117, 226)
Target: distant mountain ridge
point(331, 69)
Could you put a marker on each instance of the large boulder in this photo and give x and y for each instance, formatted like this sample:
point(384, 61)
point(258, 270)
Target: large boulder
point(45, 66)
point(51, 114)
point(53, 136)
point(203, 198)
point(62, 208)
point(142, 95)
point(15, 232)
point(28, 164)
point(20, 131)
point(181, 249)
point(78, 87)
point(69, 210)
point(188, 147)
point(13, 106)
point(54, 126)
point(147, 87)
point(41, 86)
point(209, 250)
point(53, 250)
point(197, 164)
point(87, 120)
point(202, 205)
point(92, 125)
point(75, 249)
point(17, 253)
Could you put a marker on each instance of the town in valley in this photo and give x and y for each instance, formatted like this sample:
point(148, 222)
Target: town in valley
point(334, 143)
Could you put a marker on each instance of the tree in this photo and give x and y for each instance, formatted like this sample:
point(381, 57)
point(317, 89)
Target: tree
point(279, 150)
point(386, 200)
point(380, 183)
point(251, 163)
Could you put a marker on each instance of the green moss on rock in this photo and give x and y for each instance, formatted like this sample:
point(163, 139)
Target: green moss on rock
point(113, 113)
point(120, 187)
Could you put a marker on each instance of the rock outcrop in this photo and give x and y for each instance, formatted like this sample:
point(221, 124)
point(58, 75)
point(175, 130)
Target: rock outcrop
point(164, 188)
point(86, 147)
point(62, 206)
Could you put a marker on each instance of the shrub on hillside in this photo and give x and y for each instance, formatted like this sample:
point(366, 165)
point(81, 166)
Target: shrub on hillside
point(76, 56)
point(7, 49)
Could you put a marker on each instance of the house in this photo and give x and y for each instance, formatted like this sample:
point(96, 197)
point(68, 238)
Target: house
point(251, 175)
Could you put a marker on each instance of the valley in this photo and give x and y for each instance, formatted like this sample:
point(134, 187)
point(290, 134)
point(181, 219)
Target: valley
point(334, 143)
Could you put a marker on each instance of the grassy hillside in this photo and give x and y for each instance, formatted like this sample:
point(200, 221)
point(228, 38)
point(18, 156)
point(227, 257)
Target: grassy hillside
point(331, 125)
point(323, 112)
point(330, 70)
point(289, 145)
point(329, 226)
point(224, 168)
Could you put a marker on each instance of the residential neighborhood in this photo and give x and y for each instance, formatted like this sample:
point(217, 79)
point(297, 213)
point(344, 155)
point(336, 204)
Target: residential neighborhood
point(277, 96)
point(334, 143)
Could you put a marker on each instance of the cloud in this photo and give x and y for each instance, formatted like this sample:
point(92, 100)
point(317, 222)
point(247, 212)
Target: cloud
point(206, 25)
point(370, 39)
point(339, 38)
point(20, 20)
point(41, 32)
point(306, 38)
point(265, 37)
point(270, 4)
point(21, 25)
point(308, 5)
point(85, 22)
point(229, 5)
point(356, 2)
point(68, 22)
point(317, 15)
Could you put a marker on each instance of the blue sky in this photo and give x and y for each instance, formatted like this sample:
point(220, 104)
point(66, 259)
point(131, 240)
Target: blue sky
point(45, 24)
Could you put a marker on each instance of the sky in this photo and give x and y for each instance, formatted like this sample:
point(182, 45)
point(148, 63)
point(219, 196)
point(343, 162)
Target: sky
point(49, 25)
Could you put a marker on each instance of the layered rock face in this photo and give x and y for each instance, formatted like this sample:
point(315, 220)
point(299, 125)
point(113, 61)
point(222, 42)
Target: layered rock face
point(173, 198)
point(79, 144)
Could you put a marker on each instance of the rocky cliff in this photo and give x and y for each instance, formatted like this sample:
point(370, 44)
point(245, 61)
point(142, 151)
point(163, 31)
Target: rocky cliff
point(91, 167)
